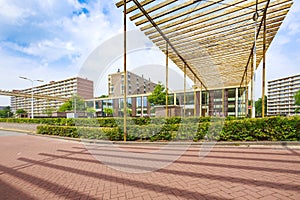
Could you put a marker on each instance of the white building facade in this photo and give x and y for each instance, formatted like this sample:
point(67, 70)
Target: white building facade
point(281, 94)
point(64, 89)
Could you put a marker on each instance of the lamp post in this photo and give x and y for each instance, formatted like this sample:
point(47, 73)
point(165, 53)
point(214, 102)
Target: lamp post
point(22, 77)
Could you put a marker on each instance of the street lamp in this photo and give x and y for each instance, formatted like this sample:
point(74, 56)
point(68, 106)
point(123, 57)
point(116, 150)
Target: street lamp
point(22, 77)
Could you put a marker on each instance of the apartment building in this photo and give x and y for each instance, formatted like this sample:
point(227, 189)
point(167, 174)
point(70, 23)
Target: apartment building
point(64, 88)
point(281, 95)
point(135, 84)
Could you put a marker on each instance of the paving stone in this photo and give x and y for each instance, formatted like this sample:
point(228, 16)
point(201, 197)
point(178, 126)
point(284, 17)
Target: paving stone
point(34, 167)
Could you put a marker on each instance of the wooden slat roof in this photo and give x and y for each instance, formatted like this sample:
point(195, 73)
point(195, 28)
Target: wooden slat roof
point(214, 37)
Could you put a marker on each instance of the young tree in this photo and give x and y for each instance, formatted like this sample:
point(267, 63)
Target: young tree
point(21, 112)
point(158, 96)
point(6, 112)
point(75, 101)
point(297, 100)
point(108, 111)
point(258, 107)
point(66, 106)
point(48, 111)
point(91, 111)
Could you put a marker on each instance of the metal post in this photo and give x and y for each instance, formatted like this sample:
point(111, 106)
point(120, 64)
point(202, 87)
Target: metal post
point(184, 91)
point(254, 64)
point(207, 102)
point(32, 99)
point(236, 102)
point(223, 102)
point(167, 77)
point(200, 102)
point(175, 103)
point(247, 93)
point(22, 77)
point(75, 102)
point(195, 98)
point(264, 69)
point(125, 75)
point(142, 101)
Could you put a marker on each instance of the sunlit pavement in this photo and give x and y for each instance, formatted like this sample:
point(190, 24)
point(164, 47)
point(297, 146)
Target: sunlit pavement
point(34, 167)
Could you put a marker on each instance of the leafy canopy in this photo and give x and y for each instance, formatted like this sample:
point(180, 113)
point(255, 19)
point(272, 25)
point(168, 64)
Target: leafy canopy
point(258, 106)
point(6, 112)
point(158, 96)
point(21, 111)
point(108, 111)
point(75, 101)
point(297, 100)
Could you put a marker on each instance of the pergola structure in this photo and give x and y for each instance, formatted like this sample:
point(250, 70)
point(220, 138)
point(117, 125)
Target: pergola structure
point(216, 43)
point(27, 95)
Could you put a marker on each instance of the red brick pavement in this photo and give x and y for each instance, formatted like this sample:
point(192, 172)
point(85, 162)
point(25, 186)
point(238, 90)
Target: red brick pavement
point(34, 167)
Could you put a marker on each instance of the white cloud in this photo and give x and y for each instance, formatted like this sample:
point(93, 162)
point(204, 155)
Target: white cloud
point(46, 40)
point(11, 13)
point(50, 39)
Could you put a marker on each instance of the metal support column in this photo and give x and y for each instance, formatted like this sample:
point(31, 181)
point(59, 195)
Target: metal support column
point(175, 103)
point(254, 63)
point(125, 76)
point(264, 69)
point(167, 78)
point(200, 102)
point(236, 102)
point(184, 91)
point(195, 98)
point(247, 93)
point(223, 102)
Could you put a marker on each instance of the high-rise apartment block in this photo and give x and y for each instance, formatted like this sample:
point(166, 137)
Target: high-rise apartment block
point(135, 84)
point(281, 93)
point(64, 88)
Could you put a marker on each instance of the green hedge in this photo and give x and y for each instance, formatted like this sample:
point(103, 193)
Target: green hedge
point(270, 129)
point(150, 132)
point(106, 122)
point(174, 128)
point(81, 132)
point(266, 129)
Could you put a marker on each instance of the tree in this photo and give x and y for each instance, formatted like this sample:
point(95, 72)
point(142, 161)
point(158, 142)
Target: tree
point(48, 111)
point(158, 96)
point(258, 107)
point(6, 112)
point(75, 101)
point(21, 112)
point(91, 111)
point(297, 100)
point(66, 106)
point(108, 111)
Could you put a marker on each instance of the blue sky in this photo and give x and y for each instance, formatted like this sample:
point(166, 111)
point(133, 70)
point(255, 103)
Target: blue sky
point(51, 39)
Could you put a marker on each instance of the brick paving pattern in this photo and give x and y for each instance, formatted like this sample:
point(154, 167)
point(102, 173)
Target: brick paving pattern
point(34, 167)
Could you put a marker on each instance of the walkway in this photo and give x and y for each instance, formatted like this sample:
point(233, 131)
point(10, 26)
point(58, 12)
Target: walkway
point(35, 167)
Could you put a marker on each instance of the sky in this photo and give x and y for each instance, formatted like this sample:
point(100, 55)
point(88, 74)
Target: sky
point(54, 39)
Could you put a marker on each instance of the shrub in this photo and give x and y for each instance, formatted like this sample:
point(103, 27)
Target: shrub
point(173, 128)
point(81, 132)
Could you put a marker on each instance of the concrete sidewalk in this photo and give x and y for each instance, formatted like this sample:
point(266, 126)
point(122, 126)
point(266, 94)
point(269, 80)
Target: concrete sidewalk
point(34, 167)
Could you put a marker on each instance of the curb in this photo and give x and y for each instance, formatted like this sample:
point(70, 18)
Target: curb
point(17, 130)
